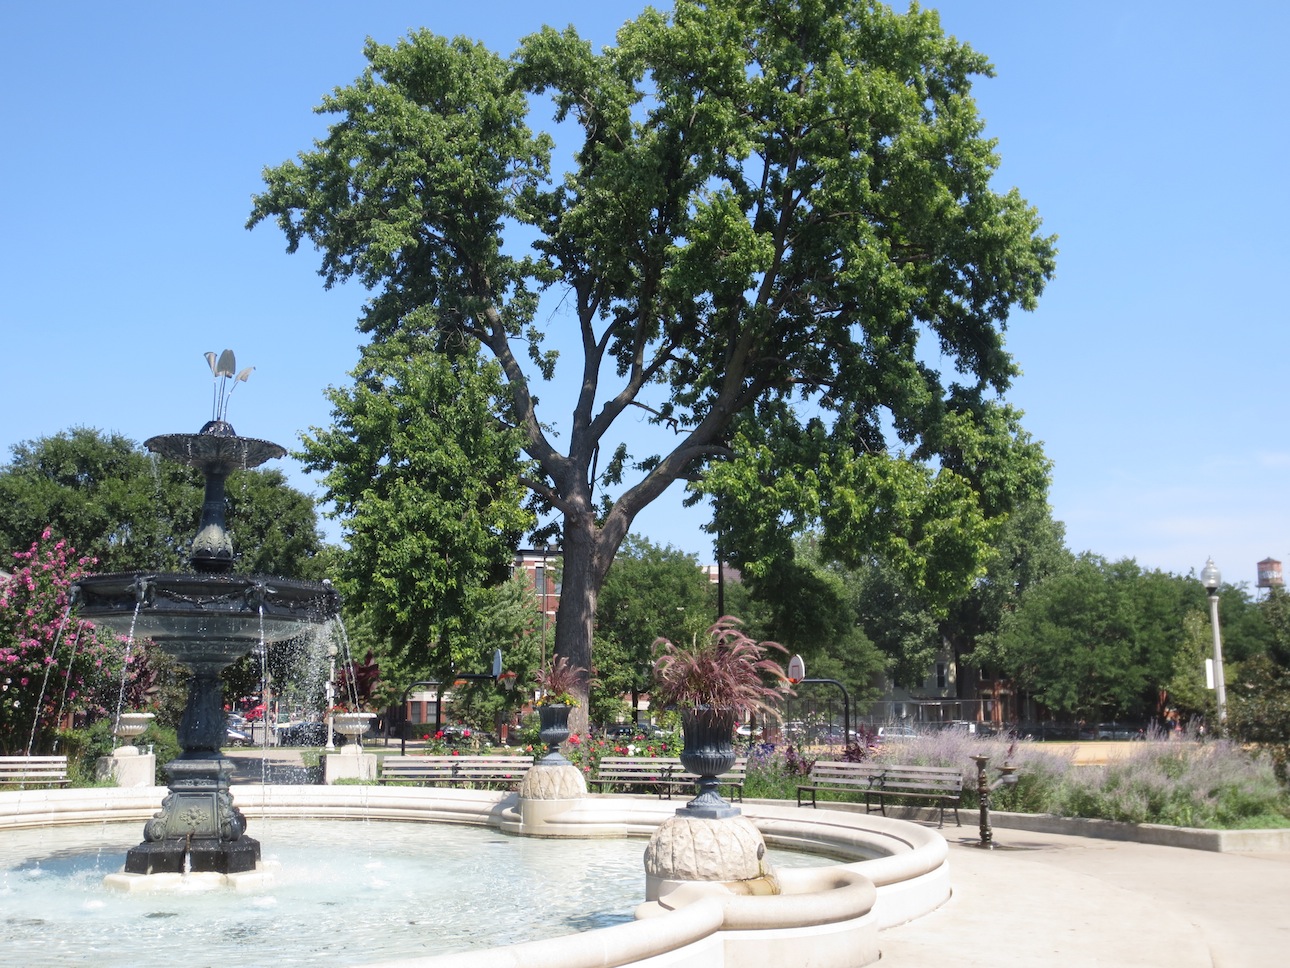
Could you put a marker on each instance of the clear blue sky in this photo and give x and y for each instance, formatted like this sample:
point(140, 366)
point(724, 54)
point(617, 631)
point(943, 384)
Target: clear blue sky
point(1150, 135)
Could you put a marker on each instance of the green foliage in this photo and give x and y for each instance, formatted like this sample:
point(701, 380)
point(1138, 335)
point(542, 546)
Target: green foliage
point(100, 493)
point(131, 510)
point(774, 772)
point(650, 593)
point(426, 485)
point(899, 621)
point(84, 746)
point(1097, 641)
point(1275, 611)
point(1258, 709)
point(509, 619)
point(811, 609)
point(777, 214)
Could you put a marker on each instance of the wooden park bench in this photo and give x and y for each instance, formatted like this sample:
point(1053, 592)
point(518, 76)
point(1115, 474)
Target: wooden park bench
point(33, 771)
point(882, 781)
point(475, 771)
point(663, 775)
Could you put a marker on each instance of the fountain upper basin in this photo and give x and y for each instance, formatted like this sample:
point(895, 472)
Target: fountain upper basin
point(221, 615)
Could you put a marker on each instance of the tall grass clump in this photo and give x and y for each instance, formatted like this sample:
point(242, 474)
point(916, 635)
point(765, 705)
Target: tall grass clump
point(1213, 785)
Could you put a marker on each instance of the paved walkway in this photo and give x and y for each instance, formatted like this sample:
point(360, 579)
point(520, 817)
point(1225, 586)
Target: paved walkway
point(1080, 902)
point(1056, 900)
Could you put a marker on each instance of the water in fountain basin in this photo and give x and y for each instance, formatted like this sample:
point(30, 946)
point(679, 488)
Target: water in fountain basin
point(343, 892)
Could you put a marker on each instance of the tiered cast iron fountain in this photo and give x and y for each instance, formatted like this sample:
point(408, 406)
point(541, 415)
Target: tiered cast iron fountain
point(206, 620)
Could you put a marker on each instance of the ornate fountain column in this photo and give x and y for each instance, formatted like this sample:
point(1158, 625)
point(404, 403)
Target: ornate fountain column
point(205, 620)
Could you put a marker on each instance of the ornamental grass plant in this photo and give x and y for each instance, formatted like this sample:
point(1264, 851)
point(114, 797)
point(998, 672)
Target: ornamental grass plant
point(1212, 785)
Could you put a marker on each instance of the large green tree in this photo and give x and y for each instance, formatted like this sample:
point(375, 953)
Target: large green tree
point(426, 484)
point(778, 226)
point(1097, 641)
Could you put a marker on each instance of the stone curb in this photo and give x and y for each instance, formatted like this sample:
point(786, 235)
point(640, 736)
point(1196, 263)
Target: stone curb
point(1219, 841)
point(1192, 838)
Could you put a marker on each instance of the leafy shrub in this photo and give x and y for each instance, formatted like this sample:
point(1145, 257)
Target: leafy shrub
point(774, 772)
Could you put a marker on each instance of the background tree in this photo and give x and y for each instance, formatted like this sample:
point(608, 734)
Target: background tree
point(1259, 708)
point(138, 512)
point(812, 609)
point(651, 592)
point(772, 205)
point(509, 618)
point(1031, 547)
point(134, 511)
point(899, 622)
point(101, 493)
point(1097, 641)
point(426, 485)
point(1275, 611)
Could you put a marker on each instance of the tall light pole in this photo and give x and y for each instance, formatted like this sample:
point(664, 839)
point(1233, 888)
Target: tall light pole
point(1211, 578)
point(541, 577)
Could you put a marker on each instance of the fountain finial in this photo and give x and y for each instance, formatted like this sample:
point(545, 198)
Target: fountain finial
point(224, 367)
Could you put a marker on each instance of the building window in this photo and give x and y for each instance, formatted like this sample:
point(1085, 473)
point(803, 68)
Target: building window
point(942, 675)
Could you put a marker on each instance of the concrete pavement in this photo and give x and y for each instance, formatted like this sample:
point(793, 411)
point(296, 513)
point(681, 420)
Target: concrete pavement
point(1082, 902)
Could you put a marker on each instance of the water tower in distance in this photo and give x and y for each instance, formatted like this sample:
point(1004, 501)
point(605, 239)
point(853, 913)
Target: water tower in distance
point(1270, 574)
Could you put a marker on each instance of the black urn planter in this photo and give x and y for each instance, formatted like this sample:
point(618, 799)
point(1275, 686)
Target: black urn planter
point(708, 752)
point(554, 722)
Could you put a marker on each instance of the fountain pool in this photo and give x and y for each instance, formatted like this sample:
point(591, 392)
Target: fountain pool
point(342, 891)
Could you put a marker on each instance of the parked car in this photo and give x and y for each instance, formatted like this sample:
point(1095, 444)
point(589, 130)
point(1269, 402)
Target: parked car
point(236, 732)
point(302, 734)
point(630, 730)
point(896, 734)
point(1118, 731)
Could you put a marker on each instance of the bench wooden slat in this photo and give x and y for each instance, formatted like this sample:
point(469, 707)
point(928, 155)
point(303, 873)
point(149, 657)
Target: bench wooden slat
point(33, 771)
point(663, 775)
point(878, 781)
point(454, 770)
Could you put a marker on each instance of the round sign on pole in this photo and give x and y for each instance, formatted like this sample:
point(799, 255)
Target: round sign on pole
point(796, 669)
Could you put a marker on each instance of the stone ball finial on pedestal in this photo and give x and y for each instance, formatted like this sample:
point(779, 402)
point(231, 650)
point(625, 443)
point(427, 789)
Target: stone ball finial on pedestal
point(545, 781)
point(730, 851)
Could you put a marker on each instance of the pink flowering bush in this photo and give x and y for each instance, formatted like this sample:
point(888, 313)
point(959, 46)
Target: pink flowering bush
point(41, 685)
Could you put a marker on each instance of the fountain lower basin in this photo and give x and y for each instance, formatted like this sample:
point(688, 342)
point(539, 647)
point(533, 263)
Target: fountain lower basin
point(890, 872)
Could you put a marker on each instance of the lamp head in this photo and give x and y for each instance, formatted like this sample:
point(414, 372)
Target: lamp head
point(1211, 577)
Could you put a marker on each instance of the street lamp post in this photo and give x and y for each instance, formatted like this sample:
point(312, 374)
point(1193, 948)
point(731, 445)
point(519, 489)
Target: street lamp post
point(331, 696)
point(1211, 578)
point(541, 576)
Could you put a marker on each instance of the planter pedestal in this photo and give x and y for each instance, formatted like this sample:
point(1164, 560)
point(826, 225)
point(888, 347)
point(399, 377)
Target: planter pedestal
point(129, 766)
point(351, 763)
point(729, 851)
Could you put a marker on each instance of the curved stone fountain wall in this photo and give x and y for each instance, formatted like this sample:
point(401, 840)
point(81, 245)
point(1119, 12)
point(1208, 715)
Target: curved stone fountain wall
point(893, 871)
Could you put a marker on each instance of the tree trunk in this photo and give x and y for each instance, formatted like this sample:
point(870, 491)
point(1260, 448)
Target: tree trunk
point(588, 552)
